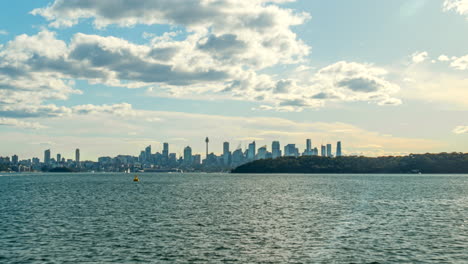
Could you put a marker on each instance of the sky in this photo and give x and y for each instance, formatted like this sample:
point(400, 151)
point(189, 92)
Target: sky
point(111, 77)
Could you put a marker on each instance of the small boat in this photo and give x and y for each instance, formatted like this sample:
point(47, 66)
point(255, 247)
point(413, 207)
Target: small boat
point(136, 178)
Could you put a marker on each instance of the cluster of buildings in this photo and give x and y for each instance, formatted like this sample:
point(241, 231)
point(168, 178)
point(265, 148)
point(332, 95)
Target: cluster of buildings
point(164, 161)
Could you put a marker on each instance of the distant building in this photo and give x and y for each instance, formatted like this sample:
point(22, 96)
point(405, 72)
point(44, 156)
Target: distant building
point(226, 154)
point(262, 153)
point(147, 157)
point(251, 151)
point(59, 158)
point(47, 157)
point(237, 158)
point(329, 150)
point(275, 150)
point(323, 151)
point(165, 151)
point(77, 156)
point(14, 159)
point(207, 141)
point(188, 155)
point(308, 151)
point(196, 159)
point(338, 149)
point(290, 150)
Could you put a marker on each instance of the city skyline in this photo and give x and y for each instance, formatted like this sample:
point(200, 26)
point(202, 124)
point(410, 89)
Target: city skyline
point(386, 78)
point(251, 151)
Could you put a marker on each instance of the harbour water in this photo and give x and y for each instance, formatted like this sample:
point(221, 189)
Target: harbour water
point(227, 218)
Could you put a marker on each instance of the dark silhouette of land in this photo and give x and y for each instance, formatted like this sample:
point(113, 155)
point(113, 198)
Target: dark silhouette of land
point(413, 163)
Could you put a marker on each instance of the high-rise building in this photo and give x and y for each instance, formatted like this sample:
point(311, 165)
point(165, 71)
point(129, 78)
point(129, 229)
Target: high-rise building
point(14, 159)
point(77, 156)
point(290, 150)
point(165, 151)
point(323, 151)
point(262, 153)
point(338, 149)
point(188, 155)
point(226, 154)
point(251, 151)
point(275, 149)
point(329, 150)
point(147, 157)
point(196, 159)
point(59, 158)
point(237, 157)
point(308, 151)
point(47, 157)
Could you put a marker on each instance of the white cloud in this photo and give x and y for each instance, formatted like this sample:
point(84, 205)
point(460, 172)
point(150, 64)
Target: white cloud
point(460, 63)
point(443, 58)
point(459, 6)
point(19, 123)
point(419, 57)
point(3, 32)
point(461, 130)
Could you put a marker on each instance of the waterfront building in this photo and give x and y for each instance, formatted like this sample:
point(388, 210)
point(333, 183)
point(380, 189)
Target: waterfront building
point(207, 141)
point(59, 158)
point(338, 149)
point(275, 149)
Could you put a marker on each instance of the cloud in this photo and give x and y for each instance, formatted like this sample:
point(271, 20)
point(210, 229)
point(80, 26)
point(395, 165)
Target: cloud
point(461, 130)
point(20, 123)
point(443, 58)
point(419, 57)
point(459, 6)
point(3, 32)
point(460, 63)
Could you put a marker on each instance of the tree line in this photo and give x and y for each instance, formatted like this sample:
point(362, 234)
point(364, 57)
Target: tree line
point(413, 163)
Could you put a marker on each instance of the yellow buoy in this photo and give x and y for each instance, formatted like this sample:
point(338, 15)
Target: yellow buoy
point(136, 178)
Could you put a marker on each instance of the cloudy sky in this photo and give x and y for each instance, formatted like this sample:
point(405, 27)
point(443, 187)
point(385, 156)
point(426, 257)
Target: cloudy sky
point(110, 77)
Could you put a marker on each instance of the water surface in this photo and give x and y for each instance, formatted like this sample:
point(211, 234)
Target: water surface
point(225, 218)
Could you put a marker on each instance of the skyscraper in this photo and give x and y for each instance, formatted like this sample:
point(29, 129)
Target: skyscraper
point(290, 150)
point(275, 149)
point(338, 149)
point(14, 159)
point(165, 151)
point(251, 153)
point(329, 150)
point(323, 151)
point(59, 158)
point(147, 154)
point(262, 153)
point(308, 151)
point(47, 157)
point(77, 156)
point(226, 154)
point(188, 155)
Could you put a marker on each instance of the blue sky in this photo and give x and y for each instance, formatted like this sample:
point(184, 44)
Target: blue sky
point(384, 77)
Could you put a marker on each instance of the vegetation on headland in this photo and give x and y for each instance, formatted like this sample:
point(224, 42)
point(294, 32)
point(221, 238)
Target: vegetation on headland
point(413, 163)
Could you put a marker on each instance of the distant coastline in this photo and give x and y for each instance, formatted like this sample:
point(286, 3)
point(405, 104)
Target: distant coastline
point(413, 163)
